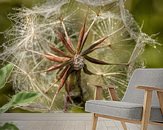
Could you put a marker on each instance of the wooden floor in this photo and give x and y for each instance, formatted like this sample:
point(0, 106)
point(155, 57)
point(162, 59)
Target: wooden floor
point(57, 121)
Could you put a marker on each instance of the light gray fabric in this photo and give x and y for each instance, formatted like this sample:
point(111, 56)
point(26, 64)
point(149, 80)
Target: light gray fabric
point(114, 108)
point(125, 110)
point(143, 77)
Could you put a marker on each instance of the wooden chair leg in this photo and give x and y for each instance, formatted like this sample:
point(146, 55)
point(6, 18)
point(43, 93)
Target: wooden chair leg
point(94, 123)
point(146, 110)
point(160, 98)
point(124, 125)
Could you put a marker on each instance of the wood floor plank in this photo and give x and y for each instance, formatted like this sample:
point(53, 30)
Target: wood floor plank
point(56, 121)
point(80, 125)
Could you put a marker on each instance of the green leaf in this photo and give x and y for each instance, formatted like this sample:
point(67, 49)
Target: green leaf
point(24, 98)
point(5, 73)
point(76, 109)
point(8, 126)
point(5, 107)
point(20, 99)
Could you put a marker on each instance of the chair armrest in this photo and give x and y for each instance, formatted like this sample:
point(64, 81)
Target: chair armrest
point(147, 88)
point(113, 93)
point(159, 93)
point(148, 101)
point(98, 92)
point(111, 90)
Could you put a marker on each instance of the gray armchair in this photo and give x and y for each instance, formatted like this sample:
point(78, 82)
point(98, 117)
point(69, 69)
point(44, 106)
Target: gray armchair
point(143, 106)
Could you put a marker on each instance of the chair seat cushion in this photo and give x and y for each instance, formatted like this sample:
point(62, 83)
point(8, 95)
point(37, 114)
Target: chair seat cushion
point(131, 111)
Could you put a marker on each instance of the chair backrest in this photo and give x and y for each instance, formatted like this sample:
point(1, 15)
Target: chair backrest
point(143, 77)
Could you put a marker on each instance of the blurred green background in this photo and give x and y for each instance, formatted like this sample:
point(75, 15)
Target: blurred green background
point(151, 13)
point(148, 11)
